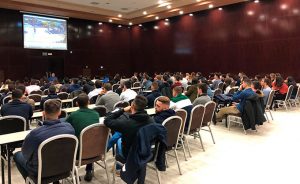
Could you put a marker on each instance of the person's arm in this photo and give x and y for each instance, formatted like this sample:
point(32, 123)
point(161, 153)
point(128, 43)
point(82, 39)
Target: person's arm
point(29, 146)
point(99, 100)
point(238, 95)
point(114, 122)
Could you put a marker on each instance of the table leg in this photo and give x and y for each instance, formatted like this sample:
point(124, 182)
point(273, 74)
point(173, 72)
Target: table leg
point(2, 165)
point(8, 165)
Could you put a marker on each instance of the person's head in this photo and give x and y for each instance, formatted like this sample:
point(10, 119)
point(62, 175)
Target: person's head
point(246, 83)
point(82, 100)
point(272, 76)
point(154, 86)
point(228, 81)
point(278, 81)
point(177, 90)
point(127, 84)
point(52, 90)
point(11, 87)
point(74, 80)
point(290, 80)
point(106, 87)
point(217, 76)
point(202, 88)
point(265, 82)
point(255, 85)
point(195, 81)
point(22, 88)
point(158, 77)
point(165, 78)
point(52, 109)
point(177, 78)
point(98, 84)
point(53, 74)
point(162, 103)
point(139, 104)
point(16, 94)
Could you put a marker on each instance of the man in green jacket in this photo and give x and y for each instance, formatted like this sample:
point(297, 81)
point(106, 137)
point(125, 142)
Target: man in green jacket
point(80, 119)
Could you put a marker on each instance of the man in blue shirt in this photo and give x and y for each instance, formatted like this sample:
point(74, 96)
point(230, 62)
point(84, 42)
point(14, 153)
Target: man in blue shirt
point(27, 159)
point(241, 95)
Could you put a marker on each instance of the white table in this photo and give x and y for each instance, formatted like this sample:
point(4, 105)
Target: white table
point(62, 101)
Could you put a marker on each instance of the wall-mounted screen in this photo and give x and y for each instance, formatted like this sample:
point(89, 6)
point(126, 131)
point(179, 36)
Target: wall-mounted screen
point(44, 32)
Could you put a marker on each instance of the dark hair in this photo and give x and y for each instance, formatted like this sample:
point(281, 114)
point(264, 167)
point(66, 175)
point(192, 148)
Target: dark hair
point(256, 85)
point(279, 81)
point(203, 87)
point(52, 89)
point(127, 84)
point(52, 106)
point(16, 94)
point(155, 85)
point(82, 100)
point(177, 77)
point(75, 80)
point(11, 87)
point(165, 77)
point(21, 87)
point(164, 100)
point(195, 81)
point(178, 89)
point(247, 81)
point(291, 81)
point(267, 81)
point(98, 84)
point(140, 102)
point(107, 86)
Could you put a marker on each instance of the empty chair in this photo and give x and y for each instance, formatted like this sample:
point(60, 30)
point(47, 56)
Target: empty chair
point(56, 159)
point(208, 117)
point(101, 110)
point(183, 114)
point(195, 123)
point(90, 136)
point(296, 100)
point(286, 101)
point(63, 95)
point(121, 104)
point(39, 92)
point(173, 125)
point(35, 97)
point(268, 105)
point(115, 87)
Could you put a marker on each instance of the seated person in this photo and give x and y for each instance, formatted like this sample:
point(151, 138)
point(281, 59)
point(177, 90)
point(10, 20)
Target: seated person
point(80, 119)
point(127, 94)
point(25, 98)
point(280, 88)
point(74, 86)
point(241, 95)
point(162, 109)
point(153, 95)
point(97, 90)
point(27, 159)
point(128, 121)
point(192, 91)
point(266, 83)
point(202, 93)
point(107, 97)
point(52, 95)
point(17, 107)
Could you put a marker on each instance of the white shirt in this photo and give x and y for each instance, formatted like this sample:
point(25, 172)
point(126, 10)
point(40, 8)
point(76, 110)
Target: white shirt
point(95, 92)
point(31, 88)
point(128, 95)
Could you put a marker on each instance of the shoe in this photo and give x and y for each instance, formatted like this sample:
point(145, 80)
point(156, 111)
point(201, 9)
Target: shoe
point(88, 176)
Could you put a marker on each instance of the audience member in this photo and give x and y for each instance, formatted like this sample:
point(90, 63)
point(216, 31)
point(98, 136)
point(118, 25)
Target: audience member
point(24, 97)
point(192, 91)
point(203, 97)
point(162, 109)
point(127, 94)
point(33, 86)
point(97, 90)
point(74, 86)
point(107, 97)
point(266, 89)
point(153, 95)
point(52, 95)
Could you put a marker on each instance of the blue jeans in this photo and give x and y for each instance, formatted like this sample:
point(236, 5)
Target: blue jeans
point(21, 164)
point(113, 140)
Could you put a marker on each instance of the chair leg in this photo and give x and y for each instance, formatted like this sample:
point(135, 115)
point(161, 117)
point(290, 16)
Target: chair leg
point(271, 114)
point(211, 135)
point(229, 123)
point(74, 181)
point(77, 176)
point(167, 165)
point(176, 156)
point(201, 140)
point(114, 172)
point(105, 165)
point(183, 147)
point(188, 146)
point(158, 175)
point(267, 117)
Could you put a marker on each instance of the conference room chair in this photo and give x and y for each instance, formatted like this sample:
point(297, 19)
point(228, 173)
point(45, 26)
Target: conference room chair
point(46, 92)
point(93, 99)
point(63, 95)
point(115, 87)
point(121, 104)
point(56, 160)
point(217, 92)
point(6, 99)
point(286, 101)
point(221, 86)
point(136, 84)
point(183, 114)
point(210, 108)
point(74, 102)
point(296, 100)
point(63, 114)
point(38, 92)
point(90, 136)
point(102, 110)
point(268, 105)
point(173, 125)
point(10, 124)
point(195, 123)
point(75, 93)
point(231, 91)
point(35, 97)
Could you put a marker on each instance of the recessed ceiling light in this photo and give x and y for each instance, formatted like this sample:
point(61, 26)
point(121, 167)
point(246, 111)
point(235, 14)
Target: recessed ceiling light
point(120, 15)
point(161, 1)
point(283, 6)
point(110, 20)
point(100, 30)
point(198, 0)
point(169, 7)
point(130, 23)
point(220, 9)
point(144, 12)
point(167, 20)
point(157, 17)
point(181, 12)
point(156, 27)
point(256, 1)
point(167, 23)
point(100, 23)
point(191, 14)
point(210, 6)
point(140, 25)
point(119, 25)
point(250, 13)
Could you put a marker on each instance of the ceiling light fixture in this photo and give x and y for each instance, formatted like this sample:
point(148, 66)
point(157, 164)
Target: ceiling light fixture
point(120, 15)
point(130, 23)
point(220, 9)
point(157, 17)
point(169, 7)
point(191, 14)
point(167, 20)
point(110, 20)
point(140, 25)
point(210, 6)
point(256, 1)
point(100, 23)
point(180, 12)
point(144, 12)
point(119, 25)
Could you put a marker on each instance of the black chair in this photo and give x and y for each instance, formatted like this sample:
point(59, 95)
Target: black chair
point(56, 160)
point(93, 99)
point(115, 87)
point(35, 97)
point(75, 93)
point(101, 110)
point(38, 92)
point(46, 92)
point(6, 99)
point(63, 114)
point(74, 102)
point(121, 104)
point(63, 95)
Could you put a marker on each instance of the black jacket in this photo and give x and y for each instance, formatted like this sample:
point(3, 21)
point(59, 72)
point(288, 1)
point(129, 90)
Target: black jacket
point(151, 97)
point(161, 116)
point(253, 113)
point(128, 125)
point(141, 153)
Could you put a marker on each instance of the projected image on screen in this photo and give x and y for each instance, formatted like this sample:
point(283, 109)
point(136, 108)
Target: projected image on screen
point(44, 32)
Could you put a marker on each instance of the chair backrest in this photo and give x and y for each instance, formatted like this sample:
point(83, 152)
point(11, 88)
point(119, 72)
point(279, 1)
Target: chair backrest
point(121, 104)
point(209, 113)
point(221, 86)
point(217, 92)
point(102, 110)
point(183, 114)
point(46, 92)
point(93, 99)
point(136, 84)
point(74, 100)
point(289, 93)
point(63, 95)
point(173, 125)
point(231, 91)
point(298, 93)
point(188, 87)
point(39, 92)
point(95, 134)
point(63, 114)
point(6, 99)
point(35, 97)
point(75, 93)
point(115, 87)
point(12, 124)
point(196, 118)
point(270, 99)
point(57, 156)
